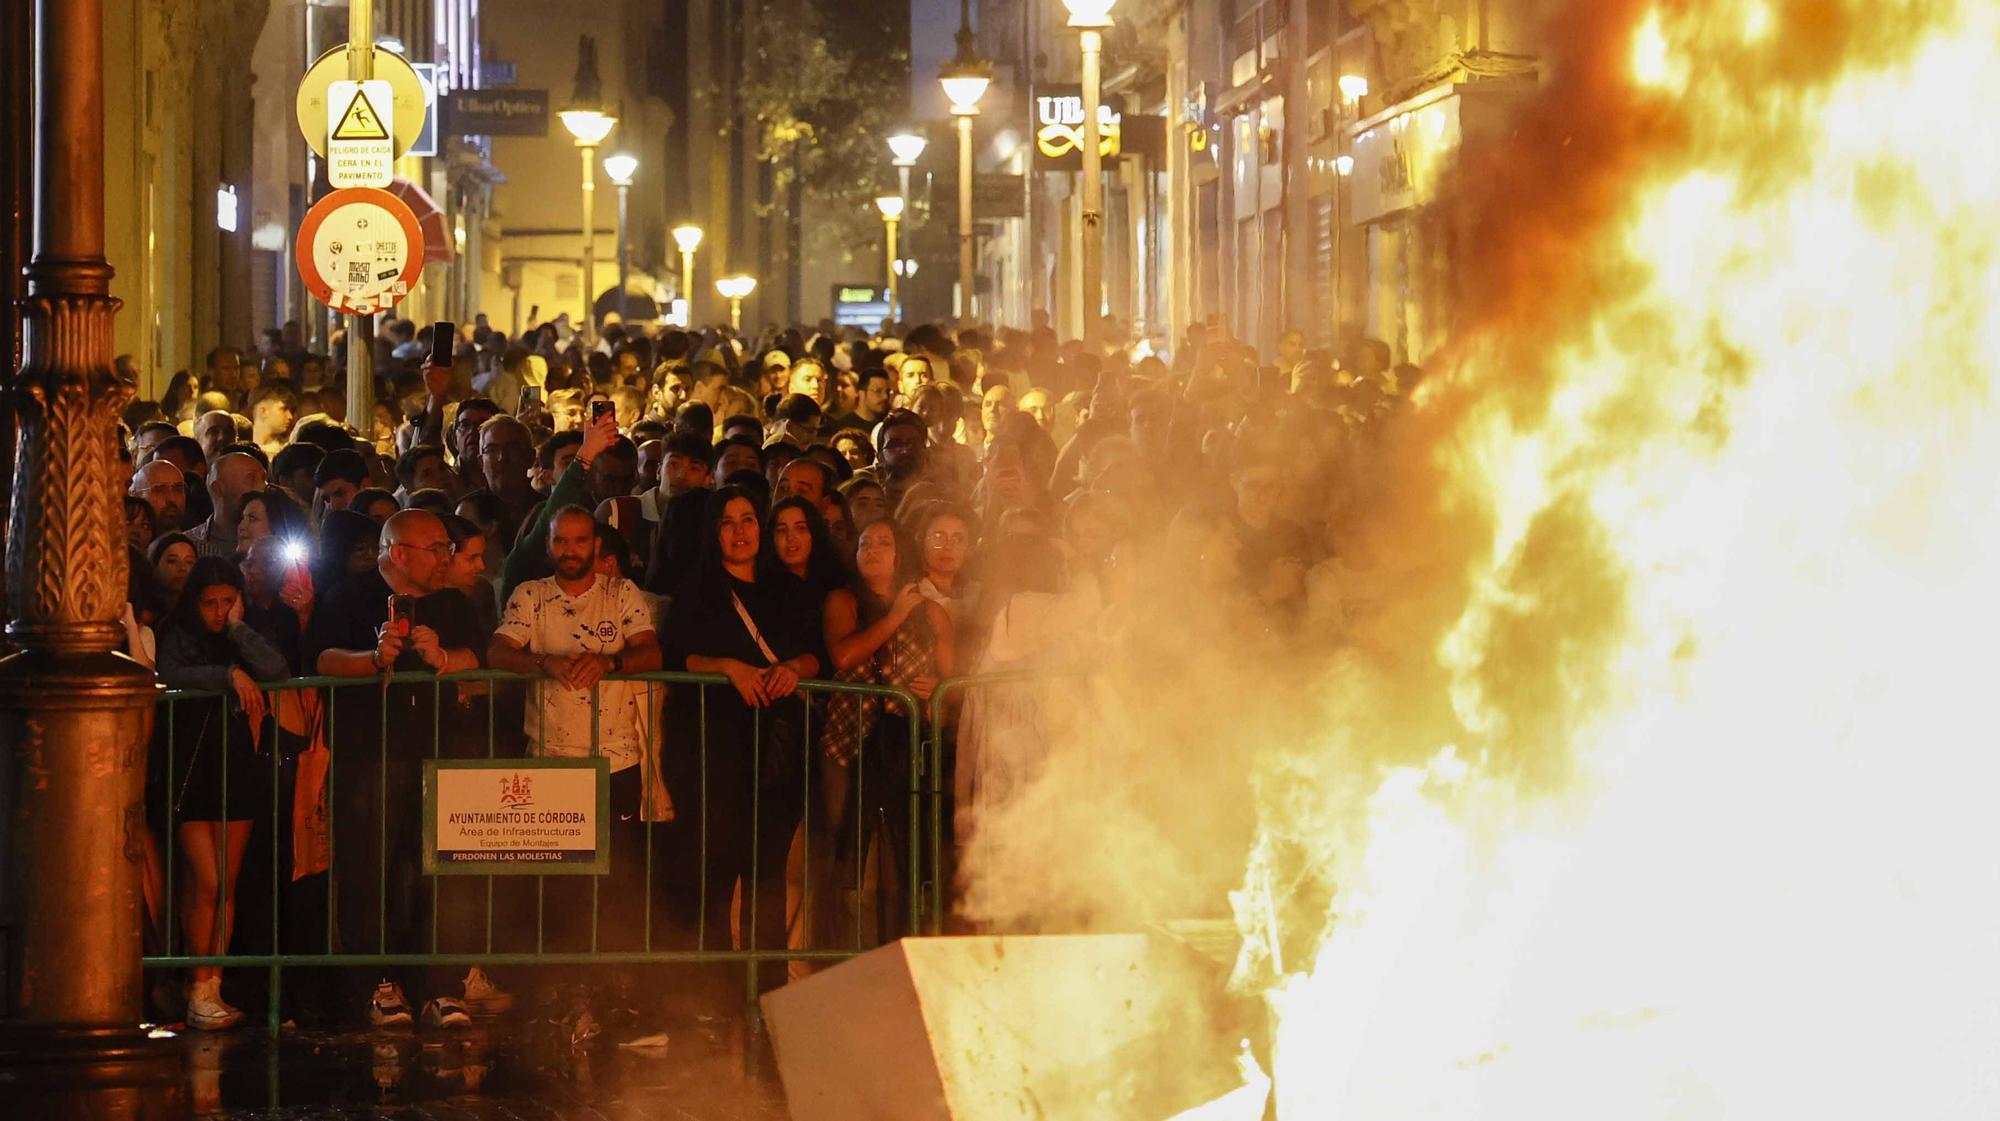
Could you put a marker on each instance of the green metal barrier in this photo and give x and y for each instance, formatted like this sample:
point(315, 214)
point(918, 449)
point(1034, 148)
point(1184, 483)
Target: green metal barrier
point(349, 754)
point(938, 773)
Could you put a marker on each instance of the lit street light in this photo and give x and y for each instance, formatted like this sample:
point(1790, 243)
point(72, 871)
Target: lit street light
point(621, 168)
point(906, 148)
point(965, 79)
point(735, 289)
point(587, 121)
point(1090, 18)
point(891, 207)
point(688, 238)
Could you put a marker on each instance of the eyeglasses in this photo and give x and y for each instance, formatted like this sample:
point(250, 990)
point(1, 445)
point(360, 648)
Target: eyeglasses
point(940, 539)
point(440, 550)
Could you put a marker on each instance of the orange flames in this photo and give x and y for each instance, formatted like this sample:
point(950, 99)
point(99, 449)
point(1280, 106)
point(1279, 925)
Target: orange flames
point(1690, 812)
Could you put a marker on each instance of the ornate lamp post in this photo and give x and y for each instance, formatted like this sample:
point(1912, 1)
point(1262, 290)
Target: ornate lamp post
point(891, 207)
point(621, 168)
point(736, 289)
point(73, 714)
point(587, 121)
point(965, 79)
point(1090, 18)
point(688, 239)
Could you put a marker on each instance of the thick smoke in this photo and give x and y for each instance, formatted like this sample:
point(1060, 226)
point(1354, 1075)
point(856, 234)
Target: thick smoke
point(1689, 521)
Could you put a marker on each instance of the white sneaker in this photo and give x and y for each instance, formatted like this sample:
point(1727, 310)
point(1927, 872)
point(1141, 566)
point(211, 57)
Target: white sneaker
point(445, 1012)
point(206, 1011)
point(388, 1009)
point(484, 997)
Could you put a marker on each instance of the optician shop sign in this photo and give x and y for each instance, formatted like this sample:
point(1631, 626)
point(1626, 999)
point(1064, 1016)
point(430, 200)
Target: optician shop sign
point(522, 816)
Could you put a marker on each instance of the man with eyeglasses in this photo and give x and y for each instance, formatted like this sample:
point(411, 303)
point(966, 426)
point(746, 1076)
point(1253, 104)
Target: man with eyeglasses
point(383, 734)
point(165, 489)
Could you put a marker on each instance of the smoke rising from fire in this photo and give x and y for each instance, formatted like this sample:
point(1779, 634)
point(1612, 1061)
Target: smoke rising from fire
point(1656, 784)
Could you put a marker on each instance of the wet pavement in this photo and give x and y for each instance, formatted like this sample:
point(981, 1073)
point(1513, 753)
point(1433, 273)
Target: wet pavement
point(711, 1065)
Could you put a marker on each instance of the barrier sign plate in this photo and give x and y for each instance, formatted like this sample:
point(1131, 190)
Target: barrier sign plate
point(360, 151)
point(487, 817)
point(359, 250)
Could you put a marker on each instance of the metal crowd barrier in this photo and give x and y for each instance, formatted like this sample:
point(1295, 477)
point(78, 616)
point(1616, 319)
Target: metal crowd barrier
point(922, 866)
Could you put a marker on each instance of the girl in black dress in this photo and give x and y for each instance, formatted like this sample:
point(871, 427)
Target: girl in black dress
point(735, 755)
point(218, 780)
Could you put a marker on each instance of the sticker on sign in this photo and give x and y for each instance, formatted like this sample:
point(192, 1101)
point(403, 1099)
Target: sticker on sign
point(359, 250)
point(360, 146)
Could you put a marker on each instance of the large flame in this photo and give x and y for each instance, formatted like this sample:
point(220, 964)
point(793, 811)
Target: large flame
point(1713, 831)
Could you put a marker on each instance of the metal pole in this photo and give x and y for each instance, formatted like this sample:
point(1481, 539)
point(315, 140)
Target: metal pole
point(1093, 189)
point(72, 713)
point(896, 297)
point(687, 283)
point(965, 217)
point(360, 348)
point(736, 314)
point(624, 309)
point(894, 289)
point(589, 325)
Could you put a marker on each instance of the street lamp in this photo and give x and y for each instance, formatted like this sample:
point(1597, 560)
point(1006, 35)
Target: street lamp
point(587, 121)
point(620, 168)
point(1090, 18)
point(735, 289)
point(906, 148)
point(891, 207)
point(965, 79)
point(688, 238)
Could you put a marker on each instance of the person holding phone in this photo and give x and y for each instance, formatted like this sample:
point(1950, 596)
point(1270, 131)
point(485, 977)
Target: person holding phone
point(400, 618)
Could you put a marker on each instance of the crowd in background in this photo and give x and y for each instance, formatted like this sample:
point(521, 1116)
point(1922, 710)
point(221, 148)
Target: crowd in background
point(810, 504)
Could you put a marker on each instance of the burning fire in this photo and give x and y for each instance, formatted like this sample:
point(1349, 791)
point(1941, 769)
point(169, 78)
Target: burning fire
point(1712, 832)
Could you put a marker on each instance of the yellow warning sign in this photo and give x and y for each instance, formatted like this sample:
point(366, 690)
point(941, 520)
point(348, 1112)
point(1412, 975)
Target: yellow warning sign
point(360, 121)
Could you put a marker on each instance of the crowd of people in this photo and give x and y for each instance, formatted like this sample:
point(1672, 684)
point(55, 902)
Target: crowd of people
point(809, 505)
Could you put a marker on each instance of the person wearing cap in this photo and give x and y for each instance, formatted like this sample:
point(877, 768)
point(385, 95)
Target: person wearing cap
point(777, 369)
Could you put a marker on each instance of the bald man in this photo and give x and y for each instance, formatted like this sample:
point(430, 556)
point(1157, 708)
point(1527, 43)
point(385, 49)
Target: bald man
point(215, 430)
point(432, 629)
point(230, 479)
point(165, 489)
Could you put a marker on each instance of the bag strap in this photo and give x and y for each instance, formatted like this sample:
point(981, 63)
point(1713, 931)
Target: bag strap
point(750, 625)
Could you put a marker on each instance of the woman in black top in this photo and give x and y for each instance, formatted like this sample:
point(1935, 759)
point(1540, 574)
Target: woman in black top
point(751, 621)
point(801, 543)
point(217, 782)
point(348, 542)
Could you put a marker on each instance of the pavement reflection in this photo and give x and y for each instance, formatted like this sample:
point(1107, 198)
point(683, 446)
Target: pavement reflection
point(688, 1067)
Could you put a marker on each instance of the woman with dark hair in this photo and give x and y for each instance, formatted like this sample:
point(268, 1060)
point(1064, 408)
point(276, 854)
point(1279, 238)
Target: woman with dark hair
point(866, 500)
point(269, 513)
point(217, 783)
point(348, 542)
point(172, 556)
point(800, 543)
point(138, 523)
point(879, 630)
point(739, 615)
point(177, 403)
point(376, 503)
point(945, 534)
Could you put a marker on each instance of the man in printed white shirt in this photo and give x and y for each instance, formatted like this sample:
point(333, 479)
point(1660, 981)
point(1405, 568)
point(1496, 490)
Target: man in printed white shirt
point(576, 628)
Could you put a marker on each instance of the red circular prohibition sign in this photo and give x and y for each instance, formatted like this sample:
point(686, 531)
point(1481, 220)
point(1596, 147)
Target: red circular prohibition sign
point(382, 292)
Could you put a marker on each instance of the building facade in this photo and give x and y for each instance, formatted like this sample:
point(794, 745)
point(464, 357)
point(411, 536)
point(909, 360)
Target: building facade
point(1303, 144)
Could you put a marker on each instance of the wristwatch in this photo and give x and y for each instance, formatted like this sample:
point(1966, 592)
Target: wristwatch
point(618, 663)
